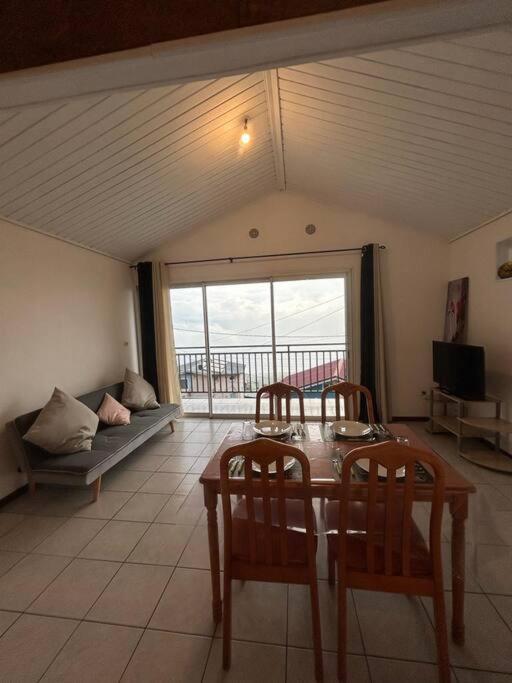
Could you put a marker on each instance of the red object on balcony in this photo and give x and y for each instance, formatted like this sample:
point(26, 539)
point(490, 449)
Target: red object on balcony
point(332, 371)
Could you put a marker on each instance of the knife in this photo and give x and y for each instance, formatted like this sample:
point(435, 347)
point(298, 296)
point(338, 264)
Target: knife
point(385, 431)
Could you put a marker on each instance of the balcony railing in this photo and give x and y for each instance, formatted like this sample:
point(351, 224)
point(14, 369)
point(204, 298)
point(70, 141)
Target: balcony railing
point(241, 370)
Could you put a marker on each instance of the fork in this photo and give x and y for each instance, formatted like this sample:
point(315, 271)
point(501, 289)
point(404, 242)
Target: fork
point(233, 465)
point(235, 469)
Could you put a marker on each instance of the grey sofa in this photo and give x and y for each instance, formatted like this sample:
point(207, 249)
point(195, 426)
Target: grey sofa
point(109, 446)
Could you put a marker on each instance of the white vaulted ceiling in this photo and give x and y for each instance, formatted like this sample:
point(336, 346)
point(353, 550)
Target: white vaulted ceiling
point(420, 135)
point(125, 172)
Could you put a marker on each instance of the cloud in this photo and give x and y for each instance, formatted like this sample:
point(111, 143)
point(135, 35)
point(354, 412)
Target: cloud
point(307, 311)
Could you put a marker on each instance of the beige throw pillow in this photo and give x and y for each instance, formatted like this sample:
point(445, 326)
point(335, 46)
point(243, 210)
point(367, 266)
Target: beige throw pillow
point(111, 412)
point(63, 426)
point(137, 393)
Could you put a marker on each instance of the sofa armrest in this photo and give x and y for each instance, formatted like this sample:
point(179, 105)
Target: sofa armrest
point(18, 447)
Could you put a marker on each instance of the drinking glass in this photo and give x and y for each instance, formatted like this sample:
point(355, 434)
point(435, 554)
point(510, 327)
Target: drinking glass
point(247, 431)
point(296, 432)
point(328, 432)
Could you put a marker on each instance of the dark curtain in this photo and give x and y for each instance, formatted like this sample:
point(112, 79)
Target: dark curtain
point(368, 356)
point(147, 324)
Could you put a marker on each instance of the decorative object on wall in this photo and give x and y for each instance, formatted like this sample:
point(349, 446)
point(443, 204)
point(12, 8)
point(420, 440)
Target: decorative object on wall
point(310, 229)
point(253, 233)
point(455, 321)
point(505, 270)
point(504, 259)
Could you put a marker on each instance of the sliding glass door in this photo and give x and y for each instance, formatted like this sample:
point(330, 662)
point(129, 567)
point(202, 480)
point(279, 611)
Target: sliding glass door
point(240, 333)
point(311, 336)
point(233, 338)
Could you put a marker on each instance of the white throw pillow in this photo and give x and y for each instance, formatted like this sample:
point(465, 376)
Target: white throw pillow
point(137, 393)
point(64, 425)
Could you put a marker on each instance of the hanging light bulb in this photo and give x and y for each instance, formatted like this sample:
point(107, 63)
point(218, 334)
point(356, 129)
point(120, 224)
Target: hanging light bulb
point(245, 138)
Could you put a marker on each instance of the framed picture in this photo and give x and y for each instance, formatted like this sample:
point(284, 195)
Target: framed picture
point(455, 321)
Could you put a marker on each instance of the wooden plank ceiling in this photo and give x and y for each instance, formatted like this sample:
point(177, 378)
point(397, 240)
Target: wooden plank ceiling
point(420, 135)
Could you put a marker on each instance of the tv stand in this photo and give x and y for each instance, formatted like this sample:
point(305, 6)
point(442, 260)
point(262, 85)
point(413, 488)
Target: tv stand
point(457, 417)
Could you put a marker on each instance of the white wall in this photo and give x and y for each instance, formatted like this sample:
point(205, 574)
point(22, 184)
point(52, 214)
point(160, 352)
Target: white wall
point(67, 319)
point(490, 305)
point(415, 269)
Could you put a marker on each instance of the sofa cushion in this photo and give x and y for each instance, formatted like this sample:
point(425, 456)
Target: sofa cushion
point(64, 425)
point(74, 463)
point(146, 416)
point(137, 393)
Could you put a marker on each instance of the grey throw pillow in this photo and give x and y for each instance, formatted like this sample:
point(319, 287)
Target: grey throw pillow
point(137, 393)
point(64, 425)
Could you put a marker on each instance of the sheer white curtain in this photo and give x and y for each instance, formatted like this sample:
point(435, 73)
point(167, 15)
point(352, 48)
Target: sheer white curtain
point(167, 371)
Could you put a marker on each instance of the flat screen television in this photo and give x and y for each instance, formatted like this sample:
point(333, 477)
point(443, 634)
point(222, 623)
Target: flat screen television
point(459, 369)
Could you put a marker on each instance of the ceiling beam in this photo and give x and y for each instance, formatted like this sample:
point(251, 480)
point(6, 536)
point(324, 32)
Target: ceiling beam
point(36, 33)
point(271, 80)
point(254, 48)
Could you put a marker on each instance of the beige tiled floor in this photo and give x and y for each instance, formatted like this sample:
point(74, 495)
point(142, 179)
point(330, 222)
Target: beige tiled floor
point(120, 589)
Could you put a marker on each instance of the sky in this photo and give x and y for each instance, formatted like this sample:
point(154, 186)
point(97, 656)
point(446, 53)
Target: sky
point(307, 312)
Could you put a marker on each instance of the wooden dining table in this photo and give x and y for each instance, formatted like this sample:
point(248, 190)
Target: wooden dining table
point(321, 449)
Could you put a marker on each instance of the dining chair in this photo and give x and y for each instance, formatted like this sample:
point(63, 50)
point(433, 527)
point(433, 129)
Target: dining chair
point(351, 394)
point(270, 533)
point(276, 393)
point(376, 543)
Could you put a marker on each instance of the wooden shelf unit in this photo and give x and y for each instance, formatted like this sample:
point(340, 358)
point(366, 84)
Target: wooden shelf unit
point(454, 418)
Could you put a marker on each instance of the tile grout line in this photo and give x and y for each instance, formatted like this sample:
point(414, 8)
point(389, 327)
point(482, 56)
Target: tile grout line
point(365, 654)
point(498, 612)
point(60, 649)
point(145, 628)
point(23, 517)
point(44, 537)
point(207, 659)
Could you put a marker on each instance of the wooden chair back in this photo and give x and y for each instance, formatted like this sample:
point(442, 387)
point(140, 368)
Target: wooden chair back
point(266, 552)
point(392, 492)
point(351, 394)
point(276, 393)
point(253, 486)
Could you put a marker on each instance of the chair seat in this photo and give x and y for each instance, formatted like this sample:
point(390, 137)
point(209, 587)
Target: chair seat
point(295, 532)
point(420, 565)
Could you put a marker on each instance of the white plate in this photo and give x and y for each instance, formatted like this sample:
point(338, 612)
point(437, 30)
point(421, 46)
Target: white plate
point(351, 429)
point(272, 428)
point(382, 472)
point(289, 461)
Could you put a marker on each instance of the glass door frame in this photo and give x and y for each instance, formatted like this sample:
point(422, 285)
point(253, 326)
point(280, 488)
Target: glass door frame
point(346, 274)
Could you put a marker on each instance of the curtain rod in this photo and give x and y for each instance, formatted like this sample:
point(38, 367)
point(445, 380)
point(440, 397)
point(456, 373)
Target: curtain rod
point(232, 259)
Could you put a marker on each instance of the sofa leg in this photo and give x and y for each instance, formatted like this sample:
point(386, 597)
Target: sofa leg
point(96, 487)
point(171, 425)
